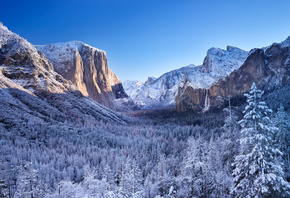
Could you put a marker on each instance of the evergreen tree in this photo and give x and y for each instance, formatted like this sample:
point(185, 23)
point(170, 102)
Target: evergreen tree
point(125, 186)
point(196, 168)
point(282, 122)
point(131, 181)
point(28, 182)
point(282, 137)
point(136, 176)
point(108, 175)
point(257, 173)
point(163, 176)
point(229, 148)
point(218, 181)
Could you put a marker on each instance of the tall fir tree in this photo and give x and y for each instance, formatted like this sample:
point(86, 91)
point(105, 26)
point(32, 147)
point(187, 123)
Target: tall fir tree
point(108, 175)
point(282, 137)
point(131, 181)
point(257, 172)
point(195, 170)
point(136, 175)
point(282, 122)
point(229, 147)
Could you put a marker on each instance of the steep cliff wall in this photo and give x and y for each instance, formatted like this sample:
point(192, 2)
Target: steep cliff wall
point(87, 68)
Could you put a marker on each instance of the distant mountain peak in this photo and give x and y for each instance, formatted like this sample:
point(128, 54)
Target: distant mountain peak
point(233, 49)
point(161, 92)
point(221, 62)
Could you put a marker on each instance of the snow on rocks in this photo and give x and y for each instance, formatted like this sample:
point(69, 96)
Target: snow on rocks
point(63, 52)
point(161, 92)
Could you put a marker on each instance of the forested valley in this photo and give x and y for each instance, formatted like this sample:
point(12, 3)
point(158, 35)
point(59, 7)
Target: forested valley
point(242, 150)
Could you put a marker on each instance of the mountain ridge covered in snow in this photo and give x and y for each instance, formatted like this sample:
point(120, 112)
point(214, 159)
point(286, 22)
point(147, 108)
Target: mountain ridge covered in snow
point(161, 92)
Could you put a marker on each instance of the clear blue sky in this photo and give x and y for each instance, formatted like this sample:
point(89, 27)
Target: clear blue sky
point(150, 37)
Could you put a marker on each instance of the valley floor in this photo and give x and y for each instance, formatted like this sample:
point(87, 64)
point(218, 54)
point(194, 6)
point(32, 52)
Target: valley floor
point(157, 155)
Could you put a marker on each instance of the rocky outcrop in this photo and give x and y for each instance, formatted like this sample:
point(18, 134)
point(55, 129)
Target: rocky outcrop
point(185, 97)
point(88, 70)
point(23, 64)
point(268, 67)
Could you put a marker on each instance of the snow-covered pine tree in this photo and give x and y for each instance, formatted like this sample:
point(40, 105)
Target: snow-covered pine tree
point(282, 137)
point(195, 168)
point(108, 175)
point(257, 173)
point(228, 146)
point(218, 181)
point(282, 122)
point(28, 182)
point(136, 180)
point(131, 180)
point(125, 187)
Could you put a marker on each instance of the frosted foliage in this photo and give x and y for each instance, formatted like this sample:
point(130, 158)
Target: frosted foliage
point(282, 137)
point(257, 169)
point(28, 184)
point(131, 180)
point(90, 187)
point(282, 122)
point(203, 173)
point(229, 147)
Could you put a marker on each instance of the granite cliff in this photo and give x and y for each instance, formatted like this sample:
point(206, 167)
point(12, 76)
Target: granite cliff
point(269, 67)
point(87, 68)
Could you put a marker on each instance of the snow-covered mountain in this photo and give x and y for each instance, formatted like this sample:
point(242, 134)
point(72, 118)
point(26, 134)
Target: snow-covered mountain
point(132, 87)
point(161, 92)
point(268, 67)
point(221, 62)
point(30, 89)
point(87, 68)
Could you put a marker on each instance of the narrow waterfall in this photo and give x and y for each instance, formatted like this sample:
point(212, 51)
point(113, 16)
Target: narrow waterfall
point(206, 102)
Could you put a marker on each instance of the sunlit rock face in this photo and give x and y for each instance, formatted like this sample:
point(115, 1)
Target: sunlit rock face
point(268, 67)
point(88, 70)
